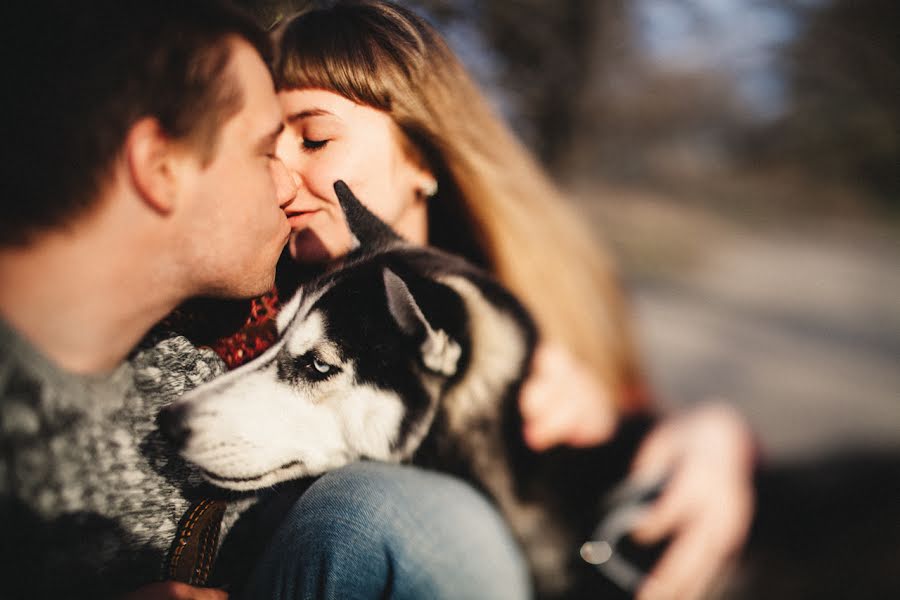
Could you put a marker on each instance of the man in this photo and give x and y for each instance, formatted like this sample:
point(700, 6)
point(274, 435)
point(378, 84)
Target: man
point(141, 173)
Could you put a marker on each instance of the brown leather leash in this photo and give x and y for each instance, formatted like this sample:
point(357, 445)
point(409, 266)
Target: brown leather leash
point(194, 548)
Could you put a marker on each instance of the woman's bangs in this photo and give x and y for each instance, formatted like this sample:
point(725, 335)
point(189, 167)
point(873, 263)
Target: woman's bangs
point(332, 63)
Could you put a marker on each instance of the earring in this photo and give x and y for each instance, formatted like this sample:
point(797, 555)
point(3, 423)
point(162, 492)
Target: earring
point(431, 189)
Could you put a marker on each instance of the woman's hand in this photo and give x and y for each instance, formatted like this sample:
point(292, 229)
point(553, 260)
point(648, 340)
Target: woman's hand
point(707, 504)
point(173, 590)
point(563, 403)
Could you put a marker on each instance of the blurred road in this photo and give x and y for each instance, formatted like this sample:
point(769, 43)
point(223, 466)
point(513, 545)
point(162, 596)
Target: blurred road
point(797, 326)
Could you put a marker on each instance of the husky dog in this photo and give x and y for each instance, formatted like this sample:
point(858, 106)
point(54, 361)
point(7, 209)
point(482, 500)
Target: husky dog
point(401, 354)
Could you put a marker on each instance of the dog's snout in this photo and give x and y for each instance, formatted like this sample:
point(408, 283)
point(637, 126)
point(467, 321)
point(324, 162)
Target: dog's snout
point(171, 422)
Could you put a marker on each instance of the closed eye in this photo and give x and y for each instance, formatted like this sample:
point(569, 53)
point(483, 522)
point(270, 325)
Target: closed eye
point(313, 145)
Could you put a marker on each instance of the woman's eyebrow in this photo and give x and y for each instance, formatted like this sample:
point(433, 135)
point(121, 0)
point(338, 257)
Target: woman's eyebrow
point(312, 112)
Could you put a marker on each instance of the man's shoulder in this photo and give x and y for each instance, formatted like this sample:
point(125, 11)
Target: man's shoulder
point(15, 359)
point(81, 458)
point(168, 365)
point(24, 377)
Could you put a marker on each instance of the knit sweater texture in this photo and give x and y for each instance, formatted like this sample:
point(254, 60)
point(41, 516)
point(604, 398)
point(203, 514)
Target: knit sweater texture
point(90, 493)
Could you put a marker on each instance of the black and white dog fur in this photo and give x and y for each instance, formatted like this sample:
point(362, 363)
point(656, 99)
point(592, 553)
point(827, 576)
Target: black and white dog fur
point(402, 354)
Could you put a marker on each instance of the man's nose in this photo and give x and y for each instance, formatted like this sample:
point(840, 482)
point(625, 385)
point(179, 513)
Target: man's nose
point(285, 188)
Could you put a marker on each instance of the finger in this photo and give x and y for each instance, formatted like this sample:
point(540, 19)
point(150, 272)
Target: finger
point(548, 431)
point(561, 403)
point(534, 399)
point(710, 543)
point(730, 526)
point(550, 428)
point(685, 570)
point(567, 425)
point(656, 455)
point(549, 356)
point(591, 431)
point(669, 511)
point(597, 422)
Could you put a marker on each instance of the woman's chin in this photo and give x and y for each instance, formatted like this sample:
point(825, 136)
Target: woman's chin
point(307, 248)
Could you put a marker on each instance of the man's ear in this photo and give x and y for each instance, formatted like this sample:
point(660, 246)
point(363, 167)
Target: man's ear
point(150, 155)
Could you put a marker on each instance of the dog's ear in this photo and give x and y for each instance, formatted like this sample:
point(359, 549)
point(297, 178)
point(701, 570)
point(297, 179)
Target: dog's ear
point(440, 354)
point(370, 232)
point(403, 306)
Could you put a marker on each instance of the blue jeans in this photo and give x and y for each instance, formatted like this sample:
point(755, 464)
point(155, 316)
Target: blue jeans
point(373, 530)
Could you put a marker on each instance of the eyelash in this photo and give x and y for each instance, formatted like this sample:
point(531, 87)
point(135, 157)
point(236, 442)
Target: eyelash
point(312, 145)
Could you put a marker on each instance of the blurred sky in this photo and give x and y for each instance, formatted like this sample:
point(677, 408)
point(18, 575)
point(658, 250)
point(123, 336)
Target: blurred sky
point(737, 37)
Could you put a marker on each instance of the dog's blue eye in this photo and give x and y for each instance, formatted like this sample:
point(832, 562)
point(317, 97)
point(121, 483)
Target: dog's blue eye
point(311, 368)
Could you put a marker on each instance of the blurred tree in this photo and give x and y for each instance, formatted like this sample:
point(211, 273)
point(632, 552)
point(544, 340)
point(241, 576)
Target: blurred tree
point(843, 69)
point(546, 48)
point(543, 50)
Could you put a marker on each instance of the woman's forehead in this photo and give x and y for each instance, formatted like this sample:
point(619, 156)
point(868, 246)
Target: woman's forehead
point(301, 104)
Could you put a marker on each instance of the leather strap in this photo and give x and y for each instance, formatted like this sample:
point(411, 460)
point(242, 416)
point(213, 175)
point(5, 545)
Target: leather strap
point(194, 549)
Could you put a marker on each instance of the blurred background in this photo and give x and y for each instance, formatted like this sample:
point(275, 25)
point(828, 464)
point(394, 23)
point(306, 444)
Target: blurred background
point(742, 160)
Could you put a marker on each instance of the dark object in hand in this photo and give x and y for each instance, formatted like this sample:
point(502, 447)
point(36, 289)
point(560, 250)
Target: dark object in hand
point(612, 549)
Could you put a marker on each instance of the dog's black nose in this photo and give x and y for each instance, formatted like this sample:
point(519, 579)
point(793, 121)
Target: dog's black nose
point(171, 422)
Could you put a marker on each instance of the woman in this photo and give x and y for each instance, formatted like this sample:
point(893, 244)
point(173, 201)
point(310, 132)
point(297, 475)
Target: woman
point(372, 95)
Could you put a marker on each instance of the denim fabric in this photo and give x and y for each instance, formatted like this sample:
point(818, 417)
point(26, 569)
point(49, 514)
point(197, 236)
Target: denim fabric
point(372, 530)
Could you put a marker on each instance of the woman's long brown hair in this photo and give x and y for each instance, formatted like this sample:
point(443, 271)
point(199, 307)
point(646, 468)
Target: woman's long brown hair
point(385, 56)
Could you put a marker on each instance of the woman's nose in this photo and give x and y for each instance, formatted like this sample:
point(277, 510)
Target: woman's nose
point(285, 187)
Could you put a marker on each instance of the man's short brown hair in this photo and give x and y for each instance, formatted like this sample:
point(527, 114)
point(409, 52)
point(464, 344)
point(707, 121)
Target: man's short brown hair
point(85, 72)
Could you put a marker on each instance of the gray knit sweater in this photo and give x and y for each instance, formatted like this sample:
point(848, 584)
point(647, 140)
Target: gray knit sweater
point(90, 494)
